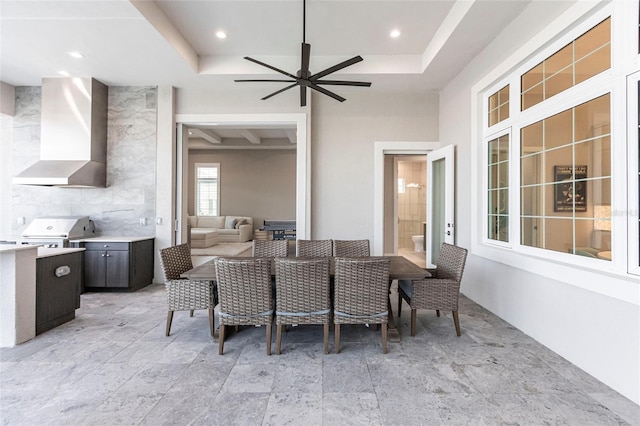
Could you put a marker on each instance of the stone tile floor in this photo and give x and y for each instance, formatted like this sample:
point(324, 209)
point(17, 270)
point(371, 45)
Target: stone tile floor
point(114, 365)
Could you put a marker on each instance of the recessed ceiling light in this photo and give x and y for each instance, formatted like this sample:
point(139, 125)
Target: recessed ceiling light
point(76, 55)
point(394, 33)
point(221, 34)
point(64, 73)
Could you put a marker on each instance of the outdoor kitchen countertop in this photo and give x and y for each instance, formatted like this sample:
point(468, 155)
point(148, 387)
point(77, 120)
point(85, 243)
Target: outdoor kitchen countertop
point(110, 239)
point(47, 252)
point(14, 247)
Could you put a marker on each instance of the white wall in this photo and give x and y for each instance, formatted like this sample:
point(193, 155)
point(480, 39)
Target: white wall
point(342, 143)
point(596, 332)
point(342, 153)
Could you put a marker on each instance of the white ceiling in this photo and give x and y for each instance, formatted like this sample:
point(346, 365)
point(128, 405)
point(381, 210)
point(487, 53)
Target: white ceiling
point(172, 42)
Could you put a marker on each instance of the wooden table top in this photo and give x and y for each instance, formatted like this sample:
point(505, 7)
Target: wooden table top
point(400, 268)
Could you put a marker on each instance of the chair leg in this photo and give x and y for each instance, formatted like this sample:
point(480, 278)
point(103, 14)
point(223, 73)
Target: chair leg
point(326, 338)
point(413, 322)
point(399, 303)
point(278, 337)
point(336, 331)
point(384, 338)
point(169, 318)
point(456, 321)
point(191, 313)
point(221, 340)
point(269, 339)
point(211, 321)
point(437, 313)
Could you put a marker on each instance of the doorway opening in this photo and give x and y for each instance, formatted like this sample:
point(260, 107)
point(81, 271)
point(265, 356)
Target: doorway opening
point(257, 129)
point(410, 207)
point(384, 217)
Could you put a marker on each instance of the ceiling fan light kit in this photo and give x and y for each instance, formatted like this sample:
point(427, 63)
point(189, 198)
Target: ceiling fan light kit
point(304, 78)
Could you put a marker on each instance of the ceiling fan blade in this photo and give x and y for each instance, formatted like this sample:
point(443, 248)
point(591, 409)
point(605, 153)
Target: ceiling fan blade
point(343, 83)
point(270, 67)
point(279, 81)
point(306, 54)
point(327, 92)
point(279, 91)
point(337, 67)
point(303, 96)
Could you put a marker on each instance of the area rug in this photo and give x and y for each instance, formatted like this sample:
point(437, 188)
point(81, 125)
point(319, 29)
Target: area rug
point(224, 249)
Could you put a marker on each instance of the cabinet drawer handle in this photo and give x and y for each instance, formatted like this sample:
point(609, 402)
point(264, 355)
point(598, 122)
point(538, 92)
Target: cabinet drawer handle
point(106, 245)
point(108, 255)
point(102, 254)
point(61, 271)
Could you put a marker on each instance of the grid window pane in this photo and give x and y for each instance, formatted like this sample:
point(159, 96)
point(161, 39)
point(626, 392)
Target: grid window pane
point(531, 169)
point(207, 190)
point(558, 61)
point(498, 189)
point(531, 78)
point(584, 57)
point(566, 185)
point(558, 130)
point(499, 106)
point(531, 200)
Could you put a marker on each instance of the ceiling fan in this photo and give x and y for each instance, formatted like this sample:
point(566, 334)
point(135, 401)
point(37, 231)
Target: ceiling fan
point(304, 78)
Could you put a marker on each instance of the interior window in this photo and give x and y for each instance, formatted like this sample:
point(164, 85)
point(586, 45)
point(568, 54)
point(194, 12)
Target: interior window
point(207, 189)
point(498, 187)
point(499, 106)
point(565, 188)
point(584, 57)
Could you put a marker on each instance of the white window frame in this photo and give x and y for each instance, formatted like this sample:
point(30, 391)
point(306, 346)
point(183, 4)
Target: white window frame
point(510, 191)
point(633, 253)
point(196, 196)
point(607, 81)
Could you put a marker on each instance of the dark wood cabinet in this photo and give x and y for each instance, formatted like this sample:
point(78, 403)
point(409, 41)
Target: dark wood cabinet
point(117, 265)
point(58, 287)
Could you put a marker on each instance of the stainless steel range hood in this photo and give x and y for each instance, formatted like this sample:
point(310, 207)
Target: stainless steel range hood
point(73, 135)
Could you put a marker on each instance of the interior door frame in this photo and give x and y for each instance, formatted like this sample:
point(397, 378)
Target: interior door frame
point(447, 154)
point(303, 162)
point(381, 149)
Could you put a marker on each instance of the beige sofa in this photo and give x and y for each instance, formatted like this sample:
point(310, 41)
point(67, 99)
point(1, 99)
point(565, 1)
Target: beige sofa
point(229, 229)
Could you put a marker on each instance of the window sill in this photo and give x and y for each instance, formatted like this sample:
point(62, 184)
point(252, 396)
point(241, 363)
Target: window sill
point(591, 274)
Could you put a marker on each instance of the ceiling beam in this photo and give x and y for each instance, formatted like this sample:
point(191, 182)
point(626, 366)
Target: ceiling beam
point(156, 17)
point(449, 25)
point(250, 135)
point(292, 135)
point(207, 135)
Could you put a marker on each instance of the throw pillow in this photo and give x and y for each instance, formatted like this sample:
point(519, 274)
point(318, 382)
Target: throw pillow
point(240, 222)
point(230, 223)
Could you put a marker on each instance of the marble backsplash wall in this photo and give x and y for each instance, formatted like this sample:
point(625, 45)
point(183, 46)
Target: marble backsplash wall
point(131, 163)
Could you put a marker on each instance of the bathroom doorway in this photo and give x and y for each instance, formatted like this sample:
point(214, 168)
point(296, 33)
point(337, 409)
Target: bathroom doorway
point(410, 209)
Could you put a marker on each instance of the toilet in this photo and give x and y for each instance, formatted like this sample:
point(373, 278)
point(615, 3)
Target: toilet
point(418, 241)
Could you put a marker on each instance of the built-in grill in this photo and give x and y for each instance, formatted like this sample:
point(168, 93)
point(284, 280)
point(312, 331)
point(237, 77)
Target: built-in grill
point(56, 231)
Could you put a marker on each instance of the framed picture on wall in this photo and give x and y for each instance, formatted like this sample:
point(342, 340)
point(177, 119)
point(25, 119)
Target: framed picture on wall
point(570, 190)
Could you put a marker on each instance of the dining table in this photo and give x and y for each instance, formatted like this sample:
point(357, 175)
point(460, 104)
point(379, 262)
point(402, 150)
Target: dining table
point(400, 268)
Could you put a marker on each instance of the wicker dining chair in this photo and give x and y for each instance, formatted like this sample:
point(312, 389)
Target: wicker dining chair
point(184, 295)
point(244, 292)
point(351, 248)
point(314, 248)
point(302, 295)
point(361, 294)
point(441, 291)
point(270, 248)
